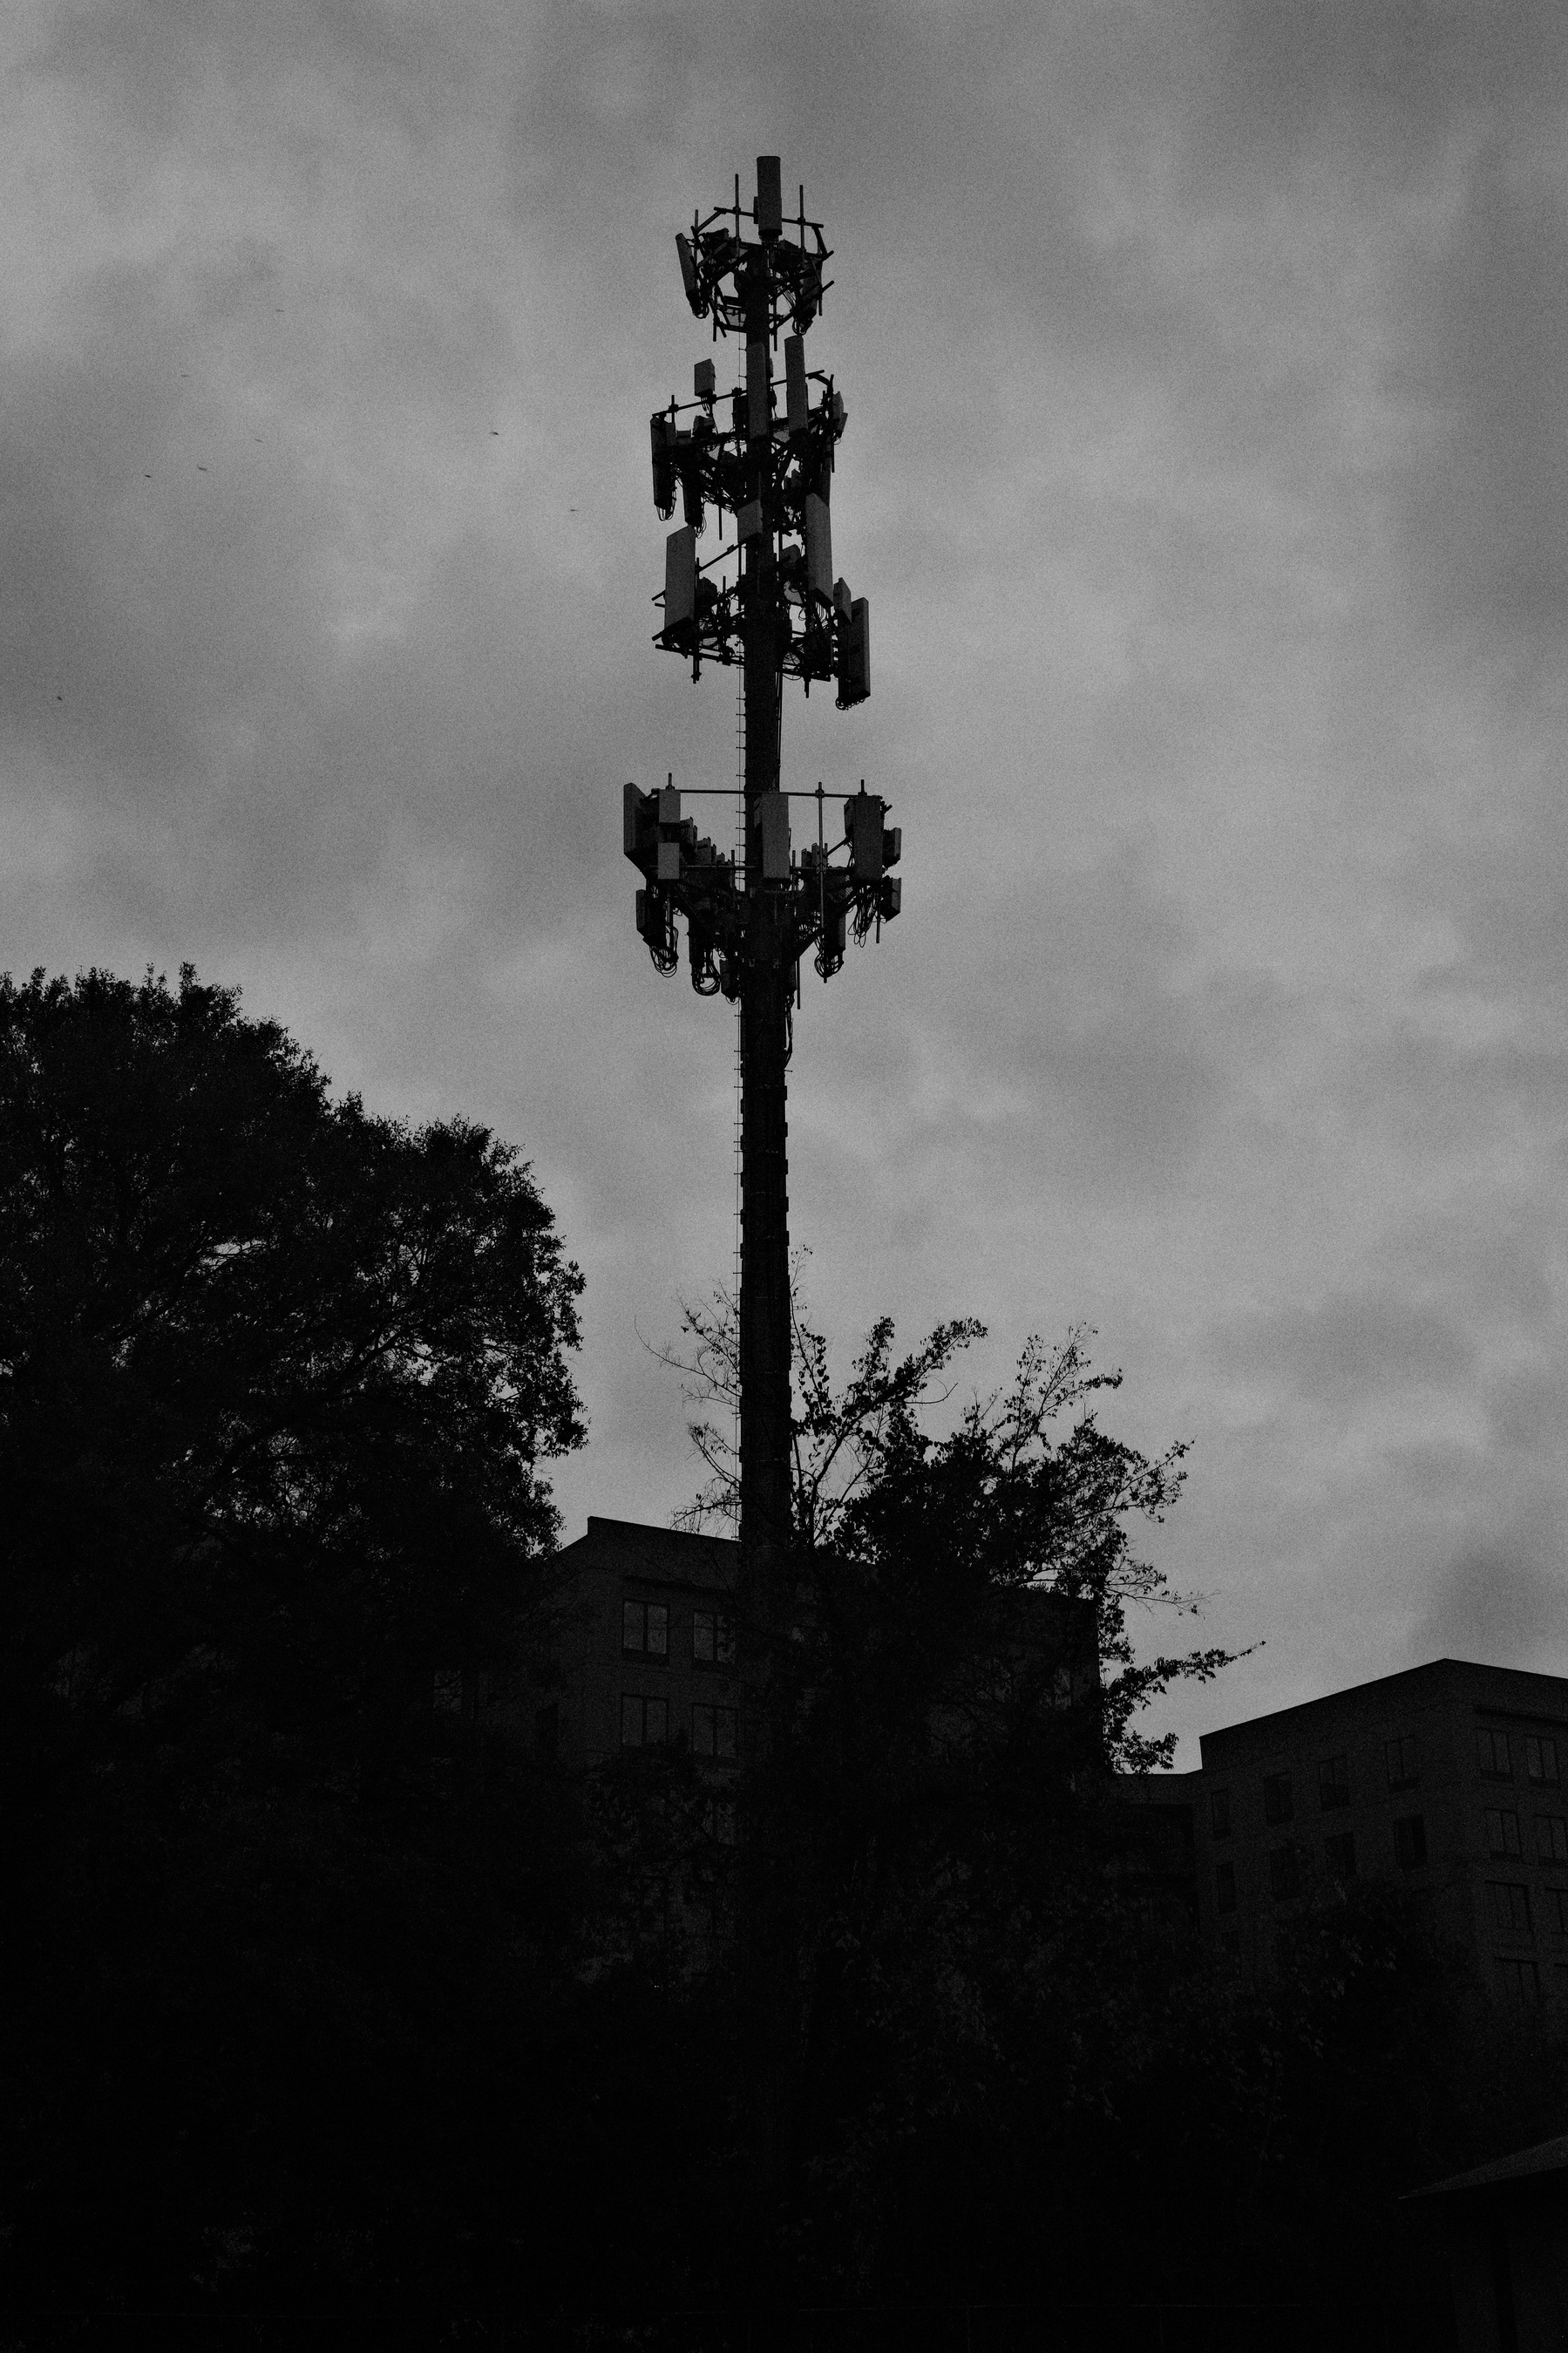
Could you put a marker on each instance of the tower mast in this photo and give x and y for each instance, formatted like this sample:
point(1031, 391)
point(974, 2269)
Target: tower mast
point(775, 609)
point(767, 980)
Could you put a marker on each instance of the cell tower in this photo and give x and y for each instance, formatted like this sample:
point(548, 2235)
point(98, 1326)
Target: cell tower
point(767, 600)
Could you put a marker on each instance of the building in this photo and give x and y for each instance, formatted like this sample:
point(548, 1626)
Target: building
point(1448, 1780)
point(1156, 1846)
point(644, 1647)
point(1505, 2232)
point(646, 1653)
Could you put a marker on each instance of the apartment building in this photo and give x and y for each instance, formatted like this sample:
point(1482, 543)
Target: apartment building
point(646, 1647)
point(1450, 1779)
point(646, 1653)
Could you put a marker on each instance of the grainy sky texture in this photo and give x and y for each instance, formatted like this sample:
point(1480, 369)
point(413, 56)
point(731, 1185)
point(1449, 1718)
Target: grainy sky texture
point(1207, 473)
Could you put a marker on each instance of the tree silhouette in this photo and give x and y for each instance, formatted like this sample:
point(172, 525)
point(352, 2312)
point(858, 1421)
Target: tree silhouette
point(932, 1955)
point(1037, 1511)
point(279, 1385)
point(255, 1342)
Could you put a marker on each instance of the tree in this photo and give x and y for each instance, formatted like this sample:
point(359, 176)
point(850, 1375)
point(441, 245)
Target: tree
point(998, 1505)
point(966, 2066)
point(280, 1382)
point(253, 1340)
point(933, 1962)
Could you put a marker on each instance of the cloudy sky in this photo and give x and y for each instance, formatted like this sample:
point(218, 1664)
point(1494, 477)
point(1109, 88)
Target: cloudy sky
point(1207, 472)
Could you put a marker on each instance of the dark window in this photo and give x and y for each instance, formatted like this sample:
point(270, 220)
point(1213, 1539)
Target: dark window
point(1540, 1760)
point(719, 1821)
point(1519, 1981)
point(1410, 1841)
point(1503, 1831)
point(547, 1729)
point(1492, 1757)
point(1338, 1854)
point(1510, 1906)
point(1334, 1784)
point(1277, 1805)
point(448, 1690)
point(1557, 1909)
point(644, 1627)
point(713, 1732)
point(1230, 1945)
point(1284, 1872)
point(645, 1723)
point(1219, 1812)
point(712, 1639)
point(1399, 1755)
point(1064, 1688)
point(1224, 1887)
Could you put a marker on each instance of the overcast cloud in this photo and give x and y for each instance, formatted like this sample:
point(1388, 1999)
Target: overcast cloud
point(1207, 472)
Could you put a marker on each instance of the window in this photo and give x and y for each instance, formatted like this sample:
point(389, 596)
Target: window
point(1284, 1872)
point(713, 1732)
point(547, 1729)
point(1224, 1887)
point(1551, 1837)
point(719, 1821)
point(1062, 1687)
point(1510, 1906)
point(1338, 1854)
point(644, 1627)
point(1399, 1755)
point(1334, 1784)
point(1519, 1982)
point(448, 1690)
point(1540, 1760)
point(1276, 1805)
point(1492, 1757)
point(1219, 1812)
point(1556, 1899)
point(645, 1723)
point(1503, 1831)
point(1410, 1841)
point(712, 1639)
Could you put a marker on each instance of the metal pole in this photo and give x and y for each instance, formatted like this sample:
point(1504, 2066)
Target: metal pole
point(764, 1016)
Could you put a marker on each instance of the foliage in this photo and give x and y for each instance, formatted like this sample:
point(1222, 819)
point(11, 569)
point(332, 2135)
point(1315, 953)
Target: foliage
point(998, 1505)
point(278, 1384)
point(277, 1378)
point(321, 2001)
point(932, 1953)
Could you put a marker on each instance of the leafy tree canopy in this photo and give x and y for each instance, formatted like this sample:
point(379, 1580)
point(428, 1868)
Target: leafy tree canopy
point(277, 1378)
point(931, 1529)
point(933, 1952)
point(280, 1382)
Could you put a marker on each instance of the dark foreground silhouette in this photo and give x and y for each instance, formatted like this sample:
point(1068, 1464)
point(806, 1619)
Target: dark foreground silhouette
point(324, 2004)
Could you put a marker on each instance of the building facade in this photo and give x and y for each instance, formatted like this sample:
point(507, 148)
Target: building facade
point(646, 1652)
point(1450, 1779)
